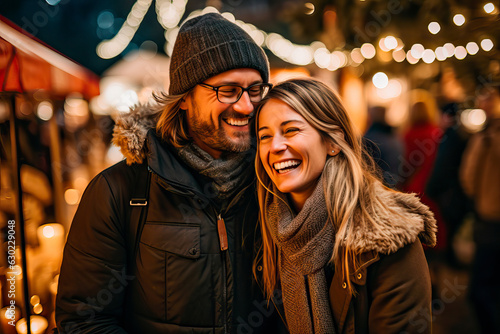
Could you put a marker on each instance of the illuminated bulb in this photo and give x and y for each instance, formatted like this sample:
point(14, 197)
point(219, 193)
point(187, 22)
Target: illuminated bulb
point(440, 53)
point(472, 48)
point(48, 232)
point(71, 197)
point(428, 56)
point(434, 27)
point(487, 44)
point(399, 55)
point(450, 49)
point(489, 8)
point(391, 42)
point(44, 111)
point(459, 19)
point(309, 8)
point(368, 50)
point(356, 56)
point(322, 57)
point(382, 46)
point(380, 80)
point(412, 60)
point(341, 57)
point(460, 52)
point(417, 50)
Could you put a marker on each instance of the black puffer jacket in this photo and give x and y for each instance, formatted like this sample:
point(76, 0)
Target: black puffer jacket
point(183, 282)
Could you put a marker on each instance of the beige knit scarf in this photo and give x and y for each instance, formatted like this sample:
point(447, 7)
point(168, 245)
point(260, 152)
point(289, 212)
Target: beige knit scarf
point(305, 245)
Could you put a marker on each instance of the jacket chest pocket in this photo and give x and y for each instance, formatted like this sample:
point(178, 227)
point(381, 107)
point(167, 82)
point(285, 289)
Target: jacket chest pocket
point(174, 277)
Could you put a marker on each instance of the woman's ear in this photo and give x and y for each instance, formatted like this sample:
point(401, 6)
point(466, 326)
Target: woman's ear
point(333, 149)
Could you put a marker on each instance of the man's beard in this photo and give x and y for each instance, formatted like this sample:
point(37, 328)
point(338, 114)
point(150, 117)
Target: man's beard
point(217, 138)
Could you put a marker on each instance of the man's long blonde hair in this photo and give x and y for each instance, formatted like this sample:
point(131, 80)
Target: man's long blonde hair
point(348, 177)
point(172, 124)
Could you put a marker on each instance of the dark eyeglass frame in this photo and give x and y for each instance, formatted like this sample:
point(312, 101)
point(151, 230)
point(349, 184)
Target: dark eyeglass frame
point(260, 84)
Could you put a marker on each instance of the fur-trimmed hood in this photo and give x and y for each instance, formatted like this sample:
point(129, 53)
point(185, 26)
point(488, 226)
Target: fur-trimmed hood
point(410, 219)
point(130, 131)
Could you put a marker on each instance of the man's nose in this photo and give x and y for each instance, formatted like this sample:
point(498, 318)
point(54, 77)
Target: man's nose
point(244, 105)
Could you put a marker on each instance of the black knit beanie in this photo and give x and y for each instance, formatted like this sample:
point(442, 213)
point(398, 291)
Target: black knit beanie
point(208, 45)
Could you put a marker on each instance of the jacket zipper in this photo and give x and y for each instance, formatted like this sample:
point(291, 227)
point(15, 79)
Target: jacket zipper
point(221, 229)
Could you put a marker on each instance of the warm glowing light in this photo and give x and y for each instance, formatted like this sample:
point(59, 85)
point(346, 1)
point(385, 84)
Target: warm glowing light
point(459, 19)
point(473, 119)
point(35, 299)
point(460, 52)
point(381, 44)
point(368, 50)
point(301, 55)
point(399, 55)
point(391, 42)
point(44, 111)
point(472, 48)
point(440, 53)
point(412, 60)
point(322, 57)
point(38, 308)
point(309, 8)
point(356, 56)
point(71, 196)
point(487, 44)
point(428, 56)
point(489, 8)
point(417, 50)
point(450, 49)
point(38, 325)
point(380, 80)
point(434, 27)
point(392, 90)
point(48, 232)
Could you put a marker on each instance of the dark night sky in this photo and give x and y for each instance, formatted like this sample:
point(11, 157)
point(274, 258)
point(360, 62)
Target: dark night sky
point(71, 26)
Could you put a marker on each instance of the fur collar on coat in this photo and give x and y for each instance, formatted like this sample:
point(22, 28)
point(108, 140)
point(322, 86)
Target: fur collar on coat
point(416, 221)
point(131, 130)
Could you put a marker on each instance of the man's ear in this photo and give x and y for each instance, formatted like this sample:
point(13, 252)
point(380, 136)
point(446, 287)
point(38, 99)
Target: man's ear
point(184, 104)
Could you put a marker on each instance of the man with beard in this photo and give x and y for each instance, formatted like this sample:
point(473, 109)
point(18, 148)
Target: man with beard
point(184, 264)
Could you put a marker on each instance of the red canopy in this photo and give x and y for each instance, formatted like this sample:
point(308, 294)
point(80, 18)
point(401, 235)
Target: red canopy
point(27, 64)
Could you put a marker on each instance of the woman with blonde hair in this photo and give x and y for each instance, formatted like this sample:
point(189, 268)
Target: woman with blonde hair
point(344, 250)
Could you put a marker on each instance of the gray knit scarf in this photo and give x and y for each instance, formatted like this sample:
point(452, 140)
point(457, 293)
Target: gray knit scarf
point(228, 174)
point(305, 245)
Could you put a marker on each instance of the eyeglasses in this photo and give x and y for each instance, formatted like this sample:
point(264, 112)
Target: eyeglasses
point(232, 93)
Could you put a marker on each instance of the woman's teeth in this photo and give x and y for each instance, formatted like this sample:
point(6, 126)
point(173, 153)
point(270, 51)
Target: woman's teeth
point(285, 166)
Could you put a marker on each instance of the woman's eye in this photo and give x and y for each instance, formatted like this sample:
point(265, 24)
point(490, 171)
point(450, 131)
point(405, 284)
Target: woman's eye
point(291, 130)
point(263, 137)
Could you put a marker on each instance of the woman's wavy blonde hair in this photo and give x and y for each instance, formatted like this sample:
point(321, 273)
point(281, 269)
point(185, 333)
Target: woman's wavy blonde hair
point(349, 177)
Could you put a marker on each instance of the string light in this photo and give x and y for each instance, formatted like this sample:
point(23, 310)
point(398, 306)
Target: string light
point(472, 48)
point(487, 44)
point(434, 27)
point(380, 80)
point(459, 19)
point(428, 56)
point(170, 12)
point(489, 8)
point(368, 50)
point(460, 52)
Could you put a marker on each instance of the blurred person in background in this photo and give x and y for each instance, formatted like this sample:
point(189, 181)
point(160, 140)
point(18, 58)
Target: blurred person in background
point(421, 140)
point(384, 145)
point(443, 185)
point(480, 177)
